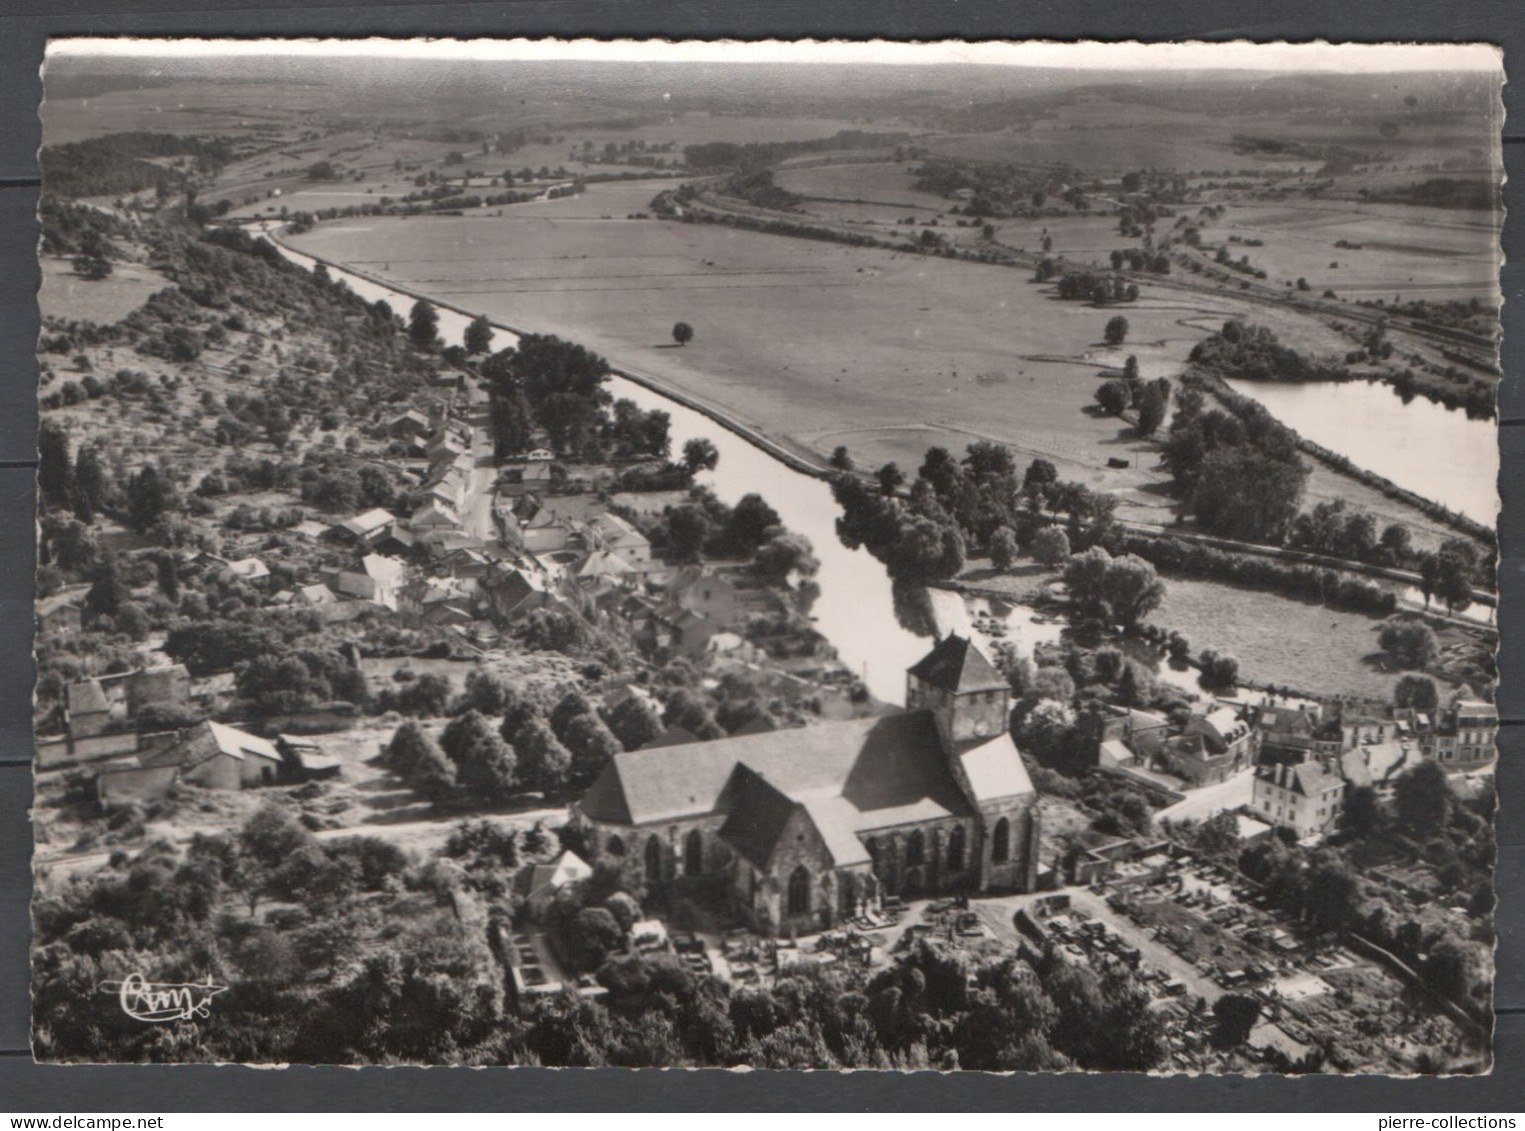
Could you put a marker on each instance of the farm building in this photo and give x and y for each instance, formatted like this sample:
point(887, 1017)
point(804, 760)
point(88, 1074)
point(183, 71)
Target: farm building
point(365, 528)
point(219, 757)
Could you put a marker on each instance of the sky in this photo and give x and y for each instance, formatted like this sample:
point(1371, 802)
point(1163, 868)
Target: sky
point(1240, 55)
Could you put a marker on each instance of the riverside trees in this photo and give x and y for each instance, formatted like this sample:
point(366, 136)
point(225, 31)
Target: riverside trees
point(1240, 468)
point(558, 387)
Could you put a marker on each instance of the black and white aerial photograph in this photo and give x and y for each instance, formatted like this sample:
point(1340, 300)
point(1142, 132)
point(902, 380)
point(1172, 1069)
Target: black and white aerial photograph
point(970, 557)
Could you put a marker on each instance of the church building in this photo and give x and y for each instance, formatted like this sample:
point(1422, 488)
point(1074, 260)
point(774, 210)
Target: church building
point(811, 825)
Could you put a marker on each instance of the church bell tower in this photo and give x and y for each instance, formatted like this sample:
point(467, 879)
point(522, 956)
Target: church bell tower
point(970, 699)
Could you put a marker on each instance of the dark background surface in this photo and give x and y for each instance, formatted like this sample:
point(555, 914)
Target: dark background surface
point(25, 26)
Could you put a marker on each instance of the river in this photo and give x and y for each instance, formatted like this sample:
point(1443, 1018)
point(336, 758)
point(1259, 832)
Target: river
point(855, 611)
point(1434, 451)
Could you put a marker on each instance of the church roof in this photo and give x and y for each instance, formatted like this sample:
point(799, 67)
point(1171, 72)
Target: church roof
point(758, 817)
point(887, 771)
point(994, 769)
point(957, 665)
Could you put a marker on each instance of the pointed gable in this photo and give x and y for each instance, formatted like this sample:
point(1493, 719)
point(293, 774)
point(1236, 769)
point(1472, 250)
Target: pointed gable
point(958, 666)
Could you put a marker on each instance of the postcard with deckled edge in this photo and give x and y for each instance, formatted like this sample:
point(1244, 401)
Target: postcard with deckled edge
point(955, 556)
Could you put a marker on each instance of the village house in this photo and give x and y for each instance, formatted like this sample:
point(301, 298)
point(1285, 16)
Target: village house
point(541, 881)
point(1286, 733)
point(1460, 737)
point(218, 756)
point(365, 529)
point(58, 614)
point(93, 706)
point(1306, 797)
point(251, 571)
point(810, 826)
point(513, 593)
point(408, 425)
point(209, 754)
point(373, 578)
point(318, 594)
point(434, 516)
point(86, 711)
point(1211, 747)
point(521, 479)
point(710, 594)
point(1466, 737)
point(611, 533)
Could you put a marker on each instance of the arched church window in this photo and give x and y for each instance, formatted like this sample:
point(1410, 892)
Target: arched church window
point(1000, 841)
point(956, 849)
point(653, 858)
point(799, 891)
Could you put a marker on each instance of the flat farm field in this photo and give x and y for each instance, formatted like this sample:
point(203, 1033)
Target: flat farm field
point(875, 182)
point(1392, 249)
point(1298, 644)
point(815, 343)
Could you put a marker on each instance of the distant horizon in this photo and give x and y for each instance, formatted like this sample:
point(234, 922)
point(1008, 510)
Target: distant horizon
point(1236, 56)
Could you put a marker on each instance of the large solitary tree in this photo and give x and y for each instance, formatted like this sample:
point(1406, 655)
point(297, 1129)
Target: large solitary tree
point(423, 325)
point(682, 333)
point(479, 335)
point(1116, 332)
point(699, 455)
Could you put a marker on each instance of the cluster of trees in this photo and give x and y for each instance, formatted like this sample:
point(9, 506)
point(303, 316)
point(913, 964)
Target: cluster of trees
point(276, 683)
point(553, 384)
point(932, 1008)
point(1150, 399)
point(367, 961)
point(70, 229)
point(980, 501)
point(1119, 591)
point(1409, 643)
point(1246, 350)
point(758, 155)
point(500, 742)
point(1329, 528)
point(704, 527)
point(1087, 286)
point(1138, 259)
point(1451, 572)
point(117, 164)
point(1241, 469)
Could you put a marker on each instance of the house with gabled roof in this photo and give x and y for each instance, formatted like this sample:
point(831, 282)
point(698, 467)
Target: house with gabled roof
point(366, 528)
point(59, 614)
point(434, 515)
point(545, 879)
point(218, 756)
point(372, 578)
point(408, 425)
point(812, 825)
point(251, 571)
point(1306, 797)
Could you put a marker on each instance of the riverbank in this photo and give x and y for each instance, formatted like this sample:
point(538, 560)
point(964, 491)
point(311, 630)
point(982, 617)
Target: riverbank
point(1219, 388)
